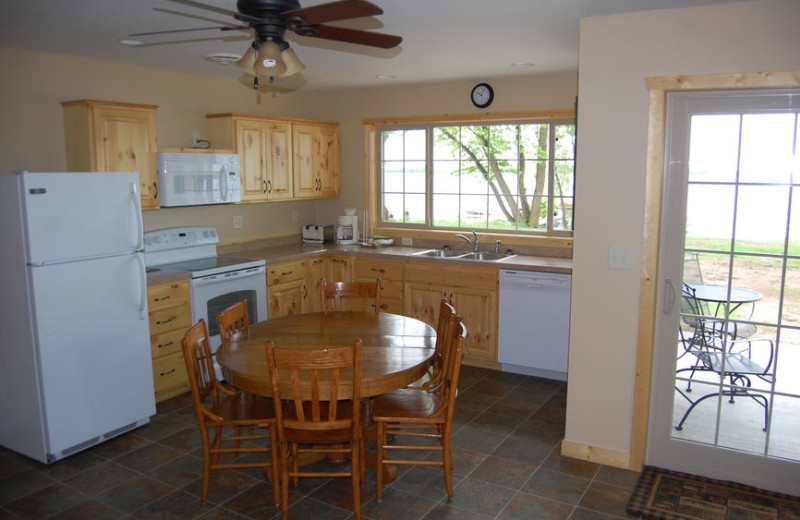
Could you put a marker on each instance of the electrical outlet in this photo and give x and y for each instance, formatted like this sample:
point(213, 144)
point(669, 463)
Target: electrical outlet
point(406, 241)
point(196, 136)
point(238, 222)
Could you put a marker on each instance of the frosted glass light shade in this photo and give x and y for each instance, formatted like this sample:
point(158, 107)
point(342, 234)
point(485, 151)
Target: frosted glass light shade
point(269, 61)
point(293, 63)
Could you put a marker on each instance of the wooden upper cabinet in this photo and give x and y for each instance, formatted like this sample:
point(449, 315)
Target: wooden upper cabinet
point(316, 160)
point(281, 158)
point(265, 149)
point(113, 137)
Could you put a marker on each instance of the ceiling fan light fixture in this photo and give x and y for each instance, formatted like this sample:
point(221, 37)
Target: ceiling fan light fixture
point(293, 63)
point(269, 61)
point(248, 60)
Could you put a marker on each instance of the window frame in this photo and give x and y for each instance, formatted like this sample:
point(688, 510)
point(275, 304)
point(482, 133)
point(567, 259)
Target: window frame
point(373, 128)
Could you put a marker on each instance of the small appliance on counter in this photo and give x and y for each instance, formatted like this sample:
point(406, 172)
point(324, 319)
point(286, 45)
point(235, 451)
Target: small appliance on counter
point(317, 234)
point(347, 230)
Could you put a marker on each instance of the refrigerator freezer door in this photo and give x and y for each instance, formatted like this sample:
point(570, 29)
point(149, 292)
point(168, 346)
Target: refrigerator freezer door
point(81, 215)
point(94, 349)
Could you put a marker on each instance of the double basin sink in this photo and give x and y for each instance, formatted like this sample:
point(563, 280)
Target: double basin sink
point(481, 256)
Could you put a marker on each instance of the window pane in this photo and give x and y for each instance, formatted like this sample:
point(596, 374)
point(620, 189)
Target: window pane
point(709, 216)
point(445, 177)
point(714, 148)
point(473, 211)
point(565, 141)
point(415, 177)
point(761, 218)
point(562, 213)
point(392, 208)
point(767, 147)
point(392, 145)
point(445, 210)
point(392, 180)
point(414, 209)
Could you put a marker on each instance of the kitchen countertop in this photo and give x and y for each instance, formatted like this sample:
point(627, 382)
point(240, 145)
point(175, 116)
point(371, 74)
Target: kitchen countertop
point(288, 252)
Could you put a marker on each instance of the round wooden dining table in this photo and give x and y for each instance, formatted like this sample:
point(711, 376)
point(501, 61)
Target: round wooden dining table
point(396, 349)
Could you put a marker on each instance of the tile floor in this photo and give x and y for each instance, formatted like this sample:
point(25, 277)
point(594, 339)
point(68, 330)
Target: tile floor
point(506, 458)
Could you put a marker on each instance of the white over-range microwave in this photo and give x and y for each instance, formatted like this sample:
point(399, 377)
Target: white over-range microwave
point(194, 179)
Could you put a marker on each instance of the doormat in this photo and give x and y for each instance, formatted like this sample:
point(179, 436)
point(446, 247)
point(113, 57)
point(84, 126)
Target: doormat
point(662, 494)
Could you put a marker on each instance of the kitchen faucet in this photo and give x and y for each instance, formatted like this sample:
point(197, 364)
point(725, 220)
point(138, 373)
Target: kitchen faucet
point(474, 242)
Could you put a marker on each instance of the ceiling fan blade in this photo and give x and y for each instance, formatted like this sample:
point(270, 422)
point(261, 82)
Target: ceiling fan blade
point(196, 17)
point(340, 34)
point(220, 28)
point(334, 11)
point(220, 10)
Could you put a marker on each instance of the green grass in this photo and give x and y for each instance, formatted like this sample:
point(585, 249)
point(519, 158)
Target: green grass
point(742, 246)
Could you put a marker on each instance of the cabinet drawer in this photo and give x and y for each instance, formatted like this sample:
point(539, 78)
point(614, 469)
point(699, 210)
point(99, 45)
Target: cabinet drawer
point(169, 371)
point(168, 295)
point(166, 343)
point(174, 318)
point(286, 272)
point(368, 268)
point(484, 278)
point(389, 288)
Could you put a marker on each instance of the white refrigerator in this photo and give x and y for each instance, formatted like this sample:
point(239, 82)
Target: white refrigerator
point(76, 366)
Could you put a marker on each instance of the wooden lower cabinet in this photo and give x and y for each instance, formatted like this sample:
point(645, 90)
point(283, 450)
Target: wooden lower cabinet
point(286, 288)
point(390, 272)
point(473, 291)
point(316, 270)
point(170, 317)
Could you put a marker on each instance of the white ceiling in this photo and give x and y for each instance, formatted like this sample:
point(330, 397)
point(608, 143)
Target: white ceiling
point(442, 39)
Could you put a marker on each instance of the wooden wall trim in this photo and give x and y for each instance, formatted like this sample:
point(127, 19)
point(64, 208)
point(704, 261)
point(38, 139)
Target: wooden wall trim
point(577, 450)
point(565, 113)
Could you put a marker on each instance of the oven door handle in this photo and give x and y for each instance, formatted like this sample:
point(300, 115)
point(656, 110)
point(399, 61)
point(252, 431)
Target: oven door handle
point(230, 276)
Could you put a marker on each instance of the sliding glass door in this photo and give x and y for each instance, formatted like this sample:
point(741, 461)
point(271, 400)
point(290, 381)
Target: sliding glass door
point(726, 397)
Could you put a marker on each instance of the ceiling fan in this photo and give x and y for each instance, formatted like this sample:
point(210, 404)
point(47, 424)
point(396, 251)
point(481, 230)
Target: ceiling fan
point(269, 55)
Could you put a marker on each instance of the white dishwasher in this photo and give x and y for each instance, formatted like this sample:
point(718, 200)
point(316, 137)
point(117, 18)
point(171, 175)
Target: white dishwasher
point(534, 323)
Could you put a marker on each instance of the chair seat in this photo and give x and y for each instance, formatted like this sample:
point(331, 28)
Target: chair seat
point(243, 408)
point(324, 435)
point(734, 363)
point(408, 405)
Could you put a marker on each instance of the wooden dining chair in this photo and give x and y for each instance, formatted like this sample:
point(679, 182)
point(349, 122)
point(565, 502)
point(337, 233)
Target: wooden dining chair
point(233, 320)
point(358, 295)
point(228, 414)
point(435, 373)
point(421, 414)
point(322, 412)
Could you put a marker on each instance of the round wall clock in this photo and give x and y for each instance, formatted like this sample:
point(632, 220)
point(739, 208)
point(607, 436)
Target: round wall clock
point(482, 95)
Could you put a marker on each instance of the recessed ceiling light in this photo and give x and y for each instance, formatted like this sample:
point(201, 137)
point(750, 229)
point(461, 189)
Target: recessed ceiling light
point(385, 76)
point(132, 43)
point(522, 64)
point(222, 59)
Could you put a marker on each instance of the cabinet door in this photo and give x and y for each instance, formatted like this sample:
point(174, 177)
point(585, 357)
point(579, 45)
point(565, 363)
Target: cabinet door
point(328, 161)
point(316, 270)
point(251, 145)
point(279, 160)
point(286, 299)
point(125, 141)
point(479, 310)
point(422, 301)
point(305, 143)
point(340, 269)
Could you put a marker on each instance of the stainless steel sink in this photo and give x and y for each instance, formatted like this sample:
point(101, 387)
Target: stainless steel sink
point(481, 256)
point(441, 253)
point(486, 256)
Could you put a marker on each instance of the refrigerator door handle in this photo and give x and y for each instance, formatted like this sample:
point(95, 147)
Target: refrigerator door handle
point(143, 287)
point(137, 210)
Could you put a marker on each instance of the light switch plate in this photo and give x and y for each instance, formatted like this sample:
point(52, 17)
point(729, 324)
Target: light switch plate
point(619, 258)
point(406, 241)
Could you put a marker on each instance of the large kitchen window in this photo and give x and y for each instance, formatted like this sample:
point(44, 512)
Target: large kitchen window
point(514, 176)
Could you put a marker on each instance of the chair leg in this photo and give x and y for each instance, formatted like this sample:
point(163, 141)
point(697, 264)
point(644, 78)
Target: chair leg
point(447, 461)
point(380, 440)
point(274, 460)
point(355, 478)
point(284, 482)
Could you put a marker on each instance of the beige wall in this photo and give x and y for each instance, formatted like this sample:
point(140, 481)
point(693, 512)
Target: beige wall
point(32, 134)
point(617, 53)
